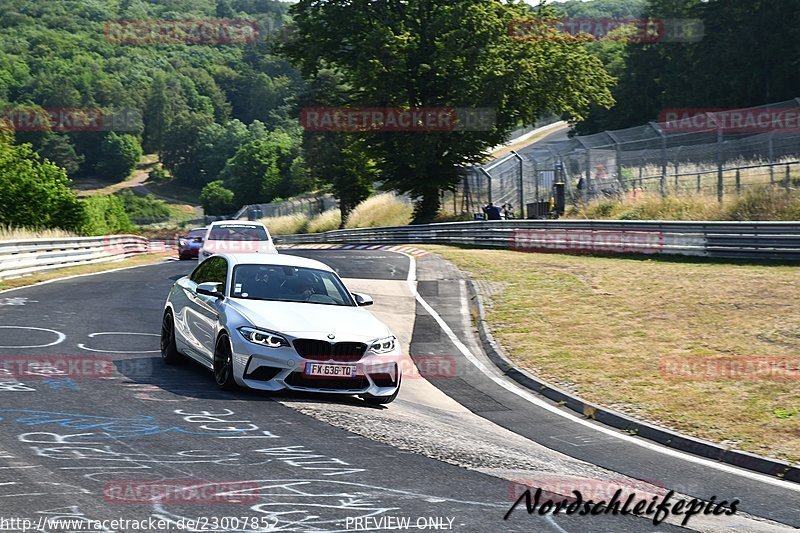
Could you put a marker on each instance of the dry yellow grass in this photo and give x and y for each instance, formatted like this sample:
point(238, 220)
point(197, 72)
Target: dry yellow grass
point(380, 210)
point(7, 233)
point(602, 327)
point(329, 220)
point(287, 224)
point(757, 203)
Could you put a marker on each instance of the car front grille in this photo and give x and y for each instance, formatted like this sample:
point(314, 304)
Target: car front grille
point(298, 379)
point(317, 350)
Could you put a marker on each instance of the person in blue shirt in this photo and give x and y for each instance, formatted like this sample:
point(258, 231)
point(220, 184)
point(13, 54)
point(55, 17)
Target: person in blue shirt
point(492, 212)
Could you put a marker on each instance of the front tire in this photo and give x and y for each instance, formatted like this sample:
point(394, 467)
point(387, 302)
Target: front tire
point(169, 350)
point(223, 364)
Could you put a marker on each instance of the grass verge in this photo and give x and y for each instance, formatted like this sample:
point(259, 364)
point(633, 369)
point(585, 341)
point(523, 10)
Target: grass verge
point(603, 328)
point(137, 260)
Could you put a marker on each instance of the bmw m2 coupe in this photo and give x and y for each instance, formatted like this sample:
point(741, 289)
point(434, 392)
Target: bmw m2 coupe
point(274, 322)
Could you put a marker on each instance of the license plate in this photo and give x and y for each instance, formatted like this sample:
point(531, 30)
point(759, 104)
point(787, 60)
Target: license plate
point(330, 371)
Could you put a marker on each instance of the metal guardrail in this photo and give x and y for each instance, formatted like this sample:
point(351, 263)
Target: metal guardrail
point(750, 240)
point(20, 257)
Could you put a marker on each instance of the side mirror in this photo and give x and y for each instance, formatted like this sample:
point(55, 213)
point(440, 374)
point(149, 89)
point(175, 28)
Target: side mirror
point(362, 299)
point(210, 289)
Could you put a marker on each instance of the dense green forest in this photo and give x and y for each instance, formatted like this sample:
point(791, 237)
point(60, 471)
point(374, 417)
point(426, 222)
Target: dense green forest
point(222, 116)
point(202, 105)
point(749, 55)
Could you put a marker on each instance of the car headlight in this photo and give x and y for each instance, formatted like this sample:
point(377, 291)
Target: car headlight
point(383, 345)
point(262, 337)
point(182, 242)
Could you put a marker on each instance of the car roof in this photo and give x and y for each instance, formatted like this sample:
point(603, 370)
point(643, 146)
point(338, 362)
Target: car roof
point(274, 259)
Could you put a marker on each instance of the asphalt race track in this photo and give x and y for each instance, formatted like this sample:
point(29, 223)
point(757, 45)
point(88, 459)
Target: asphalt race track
point(78, 447)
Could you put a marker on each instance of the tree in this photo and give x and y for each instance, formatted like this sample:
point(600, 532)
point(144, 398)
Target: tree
point(58, 149)
point(216, 199)
point(157, 115)
point(255, 173)
point(180, 153)
point(36, 193)
point(120, 155)
point(432, 54)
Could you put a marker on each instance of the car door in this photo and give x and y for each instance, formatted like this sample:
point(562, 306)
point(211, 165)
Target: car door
point(205, 309)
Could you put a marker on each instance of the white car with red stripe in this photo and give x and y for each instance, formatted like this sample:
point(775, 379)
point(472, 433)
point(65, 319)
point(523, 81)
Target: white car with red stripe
point(236, 237)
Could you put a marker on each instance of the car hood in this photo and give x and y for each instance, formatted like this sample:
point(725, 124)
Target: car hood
point(314, 321)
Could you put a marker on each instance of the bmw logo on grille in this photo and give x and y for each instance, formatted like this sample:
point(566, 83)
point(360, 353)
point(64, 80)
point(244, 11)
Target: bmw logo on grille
point(331, 336)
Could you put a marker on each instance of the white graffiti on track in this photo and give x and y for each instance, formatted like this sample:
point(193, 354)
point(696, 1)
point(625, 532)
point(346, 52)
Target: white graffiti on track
point(106, 454)
point(9, 383)
point(106, 350)
point(319, 506)
point(19, 300)
point(69, 515)
point(306, 459)
point(226, 429)
point(104, 427)
point(15, 489)
point(59, 337)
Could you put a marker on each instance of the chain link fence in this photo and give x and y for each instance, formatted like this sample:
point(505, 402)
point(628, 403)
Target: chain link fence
point(709, 157)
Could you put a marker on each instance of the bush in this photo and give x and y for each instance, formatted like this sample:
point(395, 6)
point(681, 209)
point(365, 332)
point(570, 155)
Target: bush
point(380, 210)
point(756, 203)
point(35, 194)
point(105, 215)
point(216, 199)
point(327, 221)
point(765, 203)
point(157, 174)
point(287, 224)
point(143, 206)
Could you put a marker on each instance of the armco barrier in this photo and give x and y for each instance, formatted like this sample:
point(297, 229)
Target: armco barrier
point(20, 257)
point(747, 240)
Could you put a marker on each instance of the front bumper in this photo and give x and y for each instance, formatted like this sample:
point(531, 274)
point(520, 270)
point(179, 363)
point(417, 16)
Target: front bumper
point(275, 369)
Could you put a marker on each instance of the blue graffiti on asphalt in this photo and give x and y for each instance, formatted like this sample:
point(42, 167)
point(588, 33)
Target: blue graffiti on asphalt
point(62, 383)
point(112, 428)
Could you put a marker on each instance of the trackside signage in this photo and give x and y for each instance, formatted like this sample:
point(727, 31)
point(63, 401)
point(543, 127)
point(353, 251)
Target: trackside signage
point(587, 241)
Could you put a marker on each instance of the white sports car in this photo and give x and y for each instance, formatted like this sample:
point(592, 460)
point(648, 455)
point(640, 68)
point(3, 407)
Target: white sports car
point(273, 322)
point(236, 237)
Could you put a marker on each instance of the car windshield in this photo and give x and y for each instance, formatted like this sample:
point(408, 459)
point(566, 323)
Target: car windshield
point(238, 232)
point(288, 284)
point(196, 234)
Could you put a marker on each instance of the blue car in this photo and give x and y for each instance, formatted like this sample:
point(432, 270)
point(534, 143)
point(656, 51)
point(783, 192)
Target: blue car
point(189, 246)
